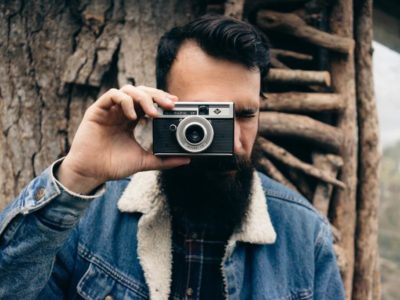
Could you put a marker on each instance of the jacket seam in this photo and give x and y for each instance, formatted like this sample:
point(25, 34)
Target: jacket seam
point(100, 263)
point(278, 196)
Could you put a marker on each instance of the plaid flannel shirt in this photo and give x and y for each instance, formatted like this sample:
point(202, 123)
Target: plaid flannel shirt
point(197, 256)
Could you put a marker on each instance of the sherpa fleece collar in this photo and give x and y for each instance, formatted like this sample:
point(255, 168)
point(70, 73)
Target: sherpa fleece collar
point(154, 229)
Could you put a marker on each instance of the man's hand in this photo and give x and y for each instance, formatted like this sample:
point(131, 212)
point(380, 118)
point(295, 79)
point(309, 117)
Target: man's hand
point(104, 147)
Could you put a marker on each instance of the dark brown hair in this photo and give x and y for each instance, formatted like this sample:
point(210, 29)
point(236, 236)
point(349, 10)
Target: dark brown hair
point(220, 37)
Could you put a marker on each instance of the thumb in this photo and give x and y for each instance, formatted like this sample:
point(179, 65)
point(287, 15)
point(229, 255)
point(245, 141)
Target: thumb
point(152, 162)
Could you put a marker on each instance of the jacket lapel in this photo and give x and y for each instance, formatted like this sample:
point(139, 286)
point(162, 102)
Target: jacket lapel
point(154, 229)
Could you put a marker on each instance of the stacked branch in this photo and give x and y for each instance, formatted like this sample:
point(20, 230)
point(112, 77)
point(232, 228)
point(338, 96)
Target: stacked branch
point(278, 54)
point(300, 77)
point(302, 102)
point(289, 125)
point(291, 161)
point(292, 24)
point(331, 165)
point(270, 169)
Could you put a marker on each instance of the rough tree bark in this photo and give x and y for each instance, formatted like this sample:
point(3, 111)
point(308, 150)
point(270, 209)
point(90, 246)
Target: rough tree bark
point(343, 214)
point(56, 57)
point(366, 247)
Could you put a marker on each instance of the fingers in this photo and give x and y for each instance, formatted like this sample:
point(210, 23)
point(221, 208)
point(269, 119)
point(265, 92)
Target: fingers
point(132, 99)
point(152, 162)
point(116, 97)
point(145, 98)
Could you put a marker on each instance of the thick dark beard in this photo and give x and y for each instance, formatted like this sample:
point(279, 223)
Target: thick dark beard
point(213, 191)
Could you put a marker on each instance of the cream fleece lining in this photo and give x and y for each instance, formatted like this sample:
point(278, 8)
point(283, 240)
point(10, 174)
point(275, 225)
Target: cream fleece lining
point(154, 229)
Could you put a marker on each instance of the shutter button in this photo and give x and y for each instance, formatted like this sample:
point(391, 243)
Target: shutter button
point(40, 194)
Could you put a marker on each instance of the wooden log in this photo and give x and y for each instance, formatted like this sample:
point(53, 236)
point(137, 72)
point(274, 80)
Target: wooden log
point(234, 8)
point(276, 63)
point(282, 53)
point(300, 181)
point(343, 213)
point(269, 168)
point(298, 77)
point(290, 125)
point(323, 191)
point(290, 160)
point(302, 102)
point(366, 243)
point(277, 54)
point(292, 24)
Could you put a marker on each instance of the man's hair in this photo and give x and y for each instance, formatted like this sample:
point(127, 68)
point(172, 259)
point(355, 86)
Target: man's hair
point(220, 37)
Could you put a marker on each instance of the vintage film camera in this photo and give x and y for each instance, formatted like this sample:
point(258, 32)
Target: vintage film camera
point(194, 129)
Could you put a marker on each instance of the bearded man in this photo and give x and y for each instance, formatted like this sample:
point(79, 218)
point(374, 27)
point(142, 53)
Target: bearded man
point(113, 221)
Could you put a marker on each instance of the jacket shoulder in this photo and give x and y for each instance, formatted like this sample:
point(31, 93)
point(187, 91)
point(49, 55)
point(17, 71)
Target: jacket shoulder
point(281, 197)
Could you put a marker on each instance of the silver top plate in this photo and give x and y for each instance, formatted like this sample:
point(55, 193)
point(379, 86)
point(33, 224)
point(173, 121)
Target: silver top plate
point(220, 110)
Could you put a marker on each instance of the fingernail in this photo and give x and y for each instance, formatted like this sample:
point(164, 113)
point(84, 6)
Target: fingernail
point(154, 111)
point(169, 100)
point(172, 97)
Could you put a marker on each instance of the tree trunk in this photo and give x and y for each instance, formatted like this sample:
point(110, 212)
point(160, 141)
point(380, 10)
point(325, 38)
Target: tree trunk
point(343, 215)
point(366, 246)
point(55, 60)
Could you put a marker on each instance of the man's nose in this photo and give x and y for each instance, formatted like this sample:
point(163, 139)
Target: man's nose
point(237, 142)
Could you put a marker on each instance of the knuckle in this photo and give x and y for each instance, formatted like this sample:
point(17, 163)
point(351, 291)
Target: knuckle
point(113, 91)
point(126, 87)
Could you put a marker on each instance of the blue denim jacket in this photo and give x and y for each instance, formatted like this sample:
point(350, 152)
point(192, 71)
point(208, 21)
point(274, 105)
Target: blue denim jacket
point(55, 244)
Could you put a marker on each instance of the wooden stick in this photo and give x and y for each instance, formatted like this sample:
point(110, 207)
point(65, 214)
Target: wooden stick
point(299, 77)
point(292, 161)
point(292, 24)
point(302, 102)
point(276, 63)
point(234, 8)
point(282, 53)
point(366, 242)
point(283, 124)
point(323, 192)
point(298, 178)
point(269, 168)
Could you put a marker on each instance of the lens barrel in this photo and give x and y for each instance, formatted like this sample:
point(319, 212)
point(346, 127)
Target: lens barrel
point(194, 134)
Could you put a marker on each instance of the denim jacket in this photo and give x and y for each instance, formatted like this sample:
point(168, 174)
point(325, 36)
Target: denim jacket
point(116, 244)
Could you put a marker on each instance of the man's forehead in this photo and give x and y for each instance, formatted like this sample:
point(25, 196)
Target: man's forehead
point(196, 76)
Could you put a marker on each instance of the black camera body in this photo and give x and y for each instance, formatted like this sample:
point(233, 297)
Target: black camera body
point(194, 129)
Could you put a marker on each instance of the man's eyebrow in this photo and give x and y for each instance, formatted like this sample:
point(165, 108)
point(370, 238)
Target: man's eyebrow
point(246, 111)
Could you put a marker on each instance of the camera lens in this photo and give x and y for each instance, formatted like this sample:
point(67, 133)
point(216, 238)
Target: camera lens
point(194, 134)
